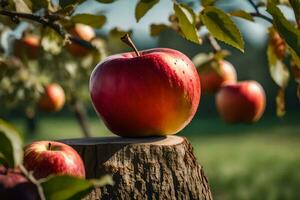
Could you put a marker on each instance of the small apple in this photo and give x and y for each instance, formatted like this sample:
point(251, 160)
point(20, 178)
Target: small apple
point(14, 186)
point(241, 102)
point(44, 158)
point(53, 99)
point(212, 79)
point(83, 32)
point(29, 45)
point(146, 93)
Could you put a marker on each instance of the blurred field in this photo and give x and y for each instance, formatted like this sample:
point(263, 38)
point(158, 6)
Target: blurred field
point(242, 162)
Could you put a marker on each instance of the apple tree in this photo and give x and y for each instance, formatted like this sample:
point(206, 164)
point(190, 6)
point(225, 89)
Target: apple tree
point(283, 48)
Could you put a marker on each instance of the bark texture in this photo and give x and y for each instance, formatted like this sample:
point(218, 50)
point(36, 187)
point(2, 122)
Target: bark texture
point(143, 168)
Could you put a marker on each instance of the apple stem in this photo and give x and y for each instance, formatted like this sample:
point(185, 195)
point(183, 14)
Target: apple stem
point(49, 146)
point(126, 39)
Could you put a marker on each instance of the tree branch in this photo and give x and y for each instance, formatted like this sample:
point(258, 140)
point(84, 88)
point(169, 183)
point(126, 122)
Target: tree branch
point(261, 16)
point(49, 23)
point(30, 177)
point(253, 5)
point(257, 13)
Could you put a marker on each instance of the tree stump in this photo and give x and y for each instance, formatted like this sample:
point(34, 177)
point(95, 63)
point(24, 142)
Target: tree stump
point(143, 168)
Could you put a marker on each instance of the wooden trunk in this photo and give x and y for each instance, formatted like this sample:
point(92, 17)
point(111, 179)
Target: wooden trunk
point(143, 168)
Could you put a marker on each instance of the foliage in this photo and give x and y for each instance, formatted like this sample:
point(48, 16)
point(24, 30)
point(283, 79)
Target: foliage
point(58, 18)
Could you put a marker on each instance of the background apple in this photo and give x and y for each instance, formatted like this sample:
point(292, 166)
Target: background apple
point(53, 99)
point(47, 157)
point(83, 32)
point(28, 46)
point(154, 93)
point(14, 186)
point(212, 79)
point(241, 102)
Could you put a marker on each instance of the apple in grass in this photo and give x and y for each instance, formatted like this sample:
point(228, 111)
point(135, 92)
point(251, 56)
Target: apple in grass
point(212, 79)
point(14, 186)
point(153, 92)
point(83, 32)
point(53, 98)
point(44, 158)
point(241, 102)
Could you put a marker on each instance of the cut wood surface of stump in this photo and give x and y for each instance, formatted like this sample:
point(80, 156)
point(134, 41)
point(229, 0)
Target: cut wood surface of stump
point(143, 168)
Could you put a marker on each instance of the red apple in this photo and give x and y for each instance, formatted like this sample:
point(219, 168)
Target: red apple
point(29, 46)
point(83, 32)
point(211, 79)
point(14, 186)
point(47, 157)
point(53, 99)
point(241, 102)
point(154, 93)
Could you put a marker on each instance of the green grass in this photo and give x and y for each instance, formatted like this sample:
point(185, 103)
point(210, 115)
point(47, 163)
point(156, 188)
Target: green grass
point(242, 162)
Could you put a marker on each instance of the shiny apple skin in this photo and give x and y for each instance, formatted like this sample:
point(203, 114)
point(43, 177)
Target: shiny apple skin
point(211, 80)
point(242, 102)
point(14, 186)
point(53, 99)
point(155, 94)
point(59, 159)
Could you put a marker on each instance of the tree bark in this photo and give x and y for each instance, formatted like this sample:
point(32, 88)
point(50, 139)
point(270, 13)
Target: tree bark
point(143, 168)
point(81, 116)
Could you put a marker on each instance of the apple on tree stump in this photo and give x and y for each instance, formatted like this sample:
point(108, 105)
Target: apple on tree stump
point(143, 168)
point(140, 94)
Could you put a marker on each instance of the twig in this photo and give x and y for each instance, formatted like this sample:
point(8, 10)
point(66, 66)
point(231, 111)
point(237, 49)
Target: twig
point(261, 16)
point(213, 43)
point(253, 5)
point(30, 177)
point(257, 13)
point(49, 23)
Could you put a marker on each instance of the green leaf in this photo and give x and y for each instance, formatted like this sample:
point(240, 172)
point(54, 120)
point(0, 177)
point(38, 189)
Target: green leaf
point(206, 3)
point(186, 18)
point(156, 29)
point(95, 21)
point(67, 11)
point(278, 70)
point(106, 1)
point(73, 188)
point(143, 7)
point(221, 26)
point(296, 7)
point(38, 4)
point(242, 14)
point(10, 145)
point(287, 31)
point(23, 6)
point(64, 3)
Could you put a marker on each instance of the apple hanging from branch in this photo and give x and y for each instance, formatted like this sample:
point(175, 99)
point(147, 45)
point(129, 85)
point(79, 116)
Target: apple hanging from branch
point(53, 98)
point(241, 102)
point(145, 93)
point(83, 32)
point(28, 46)
point(212, 79)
